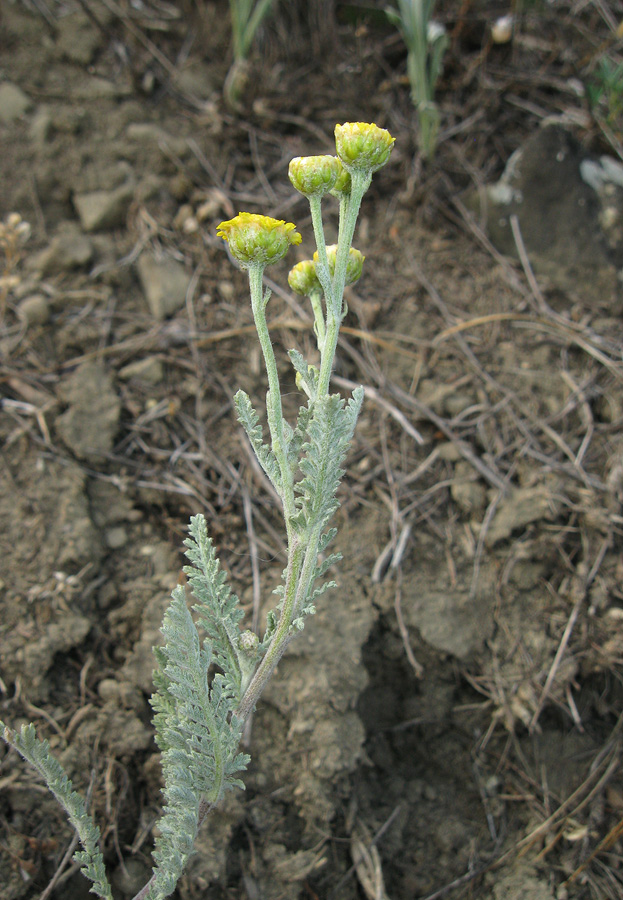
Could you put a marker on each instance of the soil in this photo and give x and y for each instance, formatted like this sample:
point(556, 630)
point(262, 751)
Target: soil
point(449, 724)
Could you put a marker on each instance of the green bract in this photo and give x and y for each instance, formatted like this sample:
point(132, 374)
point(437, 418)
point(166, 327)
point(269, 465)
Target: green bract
point(362, 146)
point(314, 176)
point(354, 265)
point(303, 279)
point(342, 186)
point(258, 240)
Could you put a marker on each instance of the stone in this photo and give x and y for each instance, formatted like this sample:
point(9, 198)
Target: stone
point(142, 132)
point(13, 102)
point(130, 877)
point(69, 249)
point(103, 210)
point(467, 491)
point(90, 424)
point(165, 283)
point(96, 88)
point(77, 38)
point(116, 537)
point(41, 126)
point(150, 370)
point(34, 310)
point(196, 78)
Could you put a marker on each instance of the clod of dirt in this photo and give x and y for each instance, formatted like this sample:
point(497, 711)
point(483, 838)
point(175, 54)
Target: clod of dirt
point(467, 491)
point(34, 310)
point(165, 283)
point(69, 249)
point(130, 876)
point(522, 507)
point(13, 102)
point(120, 729)
point(149, 133)
point(209, 864)
point(90, 424)
point(101, 210)
point(78, 38)
point(59, 637)
point(450, 613)
point(292, 867)
point(521, 883)
point(149, 370)
point(43, 608)
point(139, 666)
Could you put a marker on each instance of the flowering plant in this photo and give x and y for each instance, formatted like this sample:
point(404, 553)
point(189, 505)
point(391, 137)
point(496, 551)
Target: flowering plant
point(199, 719)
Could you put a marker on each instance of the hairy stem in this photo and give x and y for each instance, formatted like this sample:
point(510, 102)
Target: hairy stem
point(274, 410)
point(282, 635)
point(322, 267)
point(360, 182)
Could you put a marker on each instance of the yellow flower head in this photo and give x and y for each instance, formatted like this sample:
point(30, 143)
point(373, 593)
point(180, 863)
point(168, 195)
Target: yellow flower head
point(314, 176)
point(354, 266)
point(258, 240)
point(303, 279)
point(363, 147)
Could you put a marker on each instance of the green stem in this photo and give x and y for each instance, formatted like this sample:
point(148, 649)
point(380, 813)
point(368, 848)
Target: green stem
point(273, 402)
point(328, 353)
point(282, 635)
point(360, 182)
point(315, 298)
point(322, 266)
point(307, 571)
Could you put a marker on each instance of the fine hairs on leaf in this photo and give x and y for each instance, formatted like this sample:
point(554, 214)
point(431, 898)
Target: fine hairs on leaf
point(249, 420)
point(37, 753)
point(195, 728)
point(329, 433)
point(209, 673)
point(217, 607)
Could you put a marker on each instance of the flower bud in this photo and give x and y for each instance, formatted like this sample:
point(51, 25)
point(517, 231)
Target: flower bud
point(363, 147)
point(248, 641)
point(313, 176)
point(303, 279)
point(258, 240)
point(354, 266)
point(341, 188)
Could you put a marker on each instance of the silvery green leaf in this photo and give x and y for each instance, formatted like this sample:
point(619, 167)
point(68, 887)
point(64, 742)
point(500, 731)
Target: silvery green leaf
point(37, 753)
point(249, 420)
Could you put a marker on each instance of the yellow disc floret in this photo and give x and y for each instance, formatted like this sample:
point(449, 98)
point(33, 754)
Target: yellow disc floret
point(362, 146)
point(258, 240)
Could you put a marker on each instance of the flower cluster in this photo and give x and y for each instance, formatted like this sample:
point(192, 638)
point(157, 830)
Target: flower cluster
point(258, 241)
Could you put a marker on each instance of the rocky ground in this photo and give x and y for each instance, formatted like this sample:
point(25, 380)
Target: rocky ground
point(450, 722)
